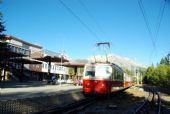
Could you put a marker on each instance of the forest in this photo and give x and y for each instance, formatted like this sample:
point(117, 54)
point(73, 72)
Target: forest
point(159, 75)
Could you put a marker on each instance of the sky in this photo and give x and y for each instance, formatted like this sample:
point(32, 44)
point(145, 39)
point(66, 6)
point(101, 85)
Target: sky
point(75, 26)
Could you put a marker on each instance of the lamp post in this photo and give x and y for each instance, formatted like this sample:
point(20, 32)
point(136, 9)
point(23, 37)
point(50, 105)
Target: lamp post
point(61, 64)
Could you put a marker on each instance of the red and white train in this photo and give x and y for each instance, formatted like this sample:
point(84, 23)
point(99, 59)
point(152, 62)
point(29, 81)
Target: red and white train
point(104, 78)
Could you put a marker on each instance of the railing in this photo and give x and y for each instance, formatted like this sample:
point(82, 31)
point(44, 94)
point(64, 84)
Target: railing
point(18, 49)
point(51, 53)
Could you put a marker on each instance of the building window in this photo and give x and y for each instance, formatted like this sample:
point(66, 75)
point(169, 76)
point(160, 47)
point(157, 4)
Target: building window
point(15, 49)
point(12, 48)
point(23, 51)
point(46, 66)
point(19, 50)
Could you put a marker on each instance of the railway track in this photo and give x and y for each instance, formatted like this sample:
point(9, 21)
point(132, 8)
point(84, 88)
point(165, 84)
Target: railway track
point(151, 105)
point(68, 109)
point(117, 103)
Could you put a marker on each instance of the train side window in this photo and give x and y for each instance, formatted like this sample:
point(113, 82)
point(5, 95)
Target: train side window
point(113, 73)
point(90, 71)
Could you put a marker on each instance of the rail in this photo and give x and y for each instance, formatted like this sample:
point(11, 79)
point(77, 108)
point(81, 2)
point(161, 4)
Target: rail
point(151, 103)
point(70, 108)
point(159, 104)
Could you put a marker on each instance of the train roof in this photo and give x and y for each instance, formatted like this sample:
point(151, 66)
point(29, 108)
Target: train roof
point(111, 64)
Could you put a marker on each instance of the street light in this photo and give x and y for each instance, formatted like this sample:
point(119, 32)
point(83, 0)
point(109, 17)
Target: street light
point(61, 55)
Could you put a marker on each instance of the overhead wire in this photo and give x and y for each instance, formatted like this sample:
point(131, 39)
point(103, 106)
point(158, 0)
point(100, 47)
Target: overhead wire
point(148, 27)
point(157, 29)
point(146, 21)
point(159, 20)
point(153, 35)
point(86, 9)
point(80, 20)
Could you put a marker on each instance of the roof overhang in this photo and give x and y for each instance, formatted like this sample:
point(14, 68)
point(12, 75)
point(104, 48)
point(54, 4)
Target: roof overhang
point(52, 59)
point(25, 60)
point(72, 64)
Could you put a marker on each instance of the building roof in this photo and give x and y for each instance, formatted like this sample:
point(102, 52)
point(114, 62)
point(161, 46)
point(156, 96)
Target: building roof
point(17, 39)
point(25, 60)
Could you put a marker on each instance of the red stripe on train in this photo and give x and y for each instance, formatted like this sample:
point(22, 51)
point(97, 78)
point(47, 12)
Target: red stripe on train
point(100, 86)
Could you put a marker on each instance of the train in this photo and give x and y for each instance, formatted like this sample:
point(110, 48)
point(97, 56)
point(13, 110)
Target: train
point(104, 78)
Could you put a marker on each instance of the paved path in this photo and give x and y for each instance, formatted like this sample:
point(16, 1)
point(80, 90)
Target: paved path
point(34, 90)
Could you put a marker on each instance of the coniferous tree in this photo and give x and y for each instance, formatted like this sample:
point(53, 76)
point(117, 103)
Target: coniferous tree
point(159, 75)
point(3, 45)
point(2, 28)
point(166, 60)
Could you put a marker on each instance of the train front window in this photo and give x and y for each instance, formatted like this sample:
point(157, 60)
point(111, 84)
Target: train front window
point(103, 71)
point(90, 71)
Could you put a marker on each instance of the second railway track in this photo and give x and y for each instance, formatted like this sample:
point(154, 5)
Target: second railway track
point(151, 105)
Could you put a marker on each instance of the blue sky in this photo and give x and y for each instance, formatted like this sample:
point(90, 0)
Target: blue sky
point(50, 24)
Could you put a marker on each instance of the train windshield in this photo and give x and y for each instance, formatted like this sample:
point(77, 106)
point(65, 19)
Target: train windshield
point(90, 71)
point(103, 71)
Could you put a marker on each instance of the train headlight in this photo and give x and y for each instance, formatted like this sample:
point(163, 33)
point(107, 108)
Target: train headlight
point(103, 85)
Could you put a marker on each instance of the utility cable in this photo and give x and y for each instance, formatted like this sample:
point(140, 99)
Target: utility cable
point(159, 20)
point(148, 26)
point(158, 24)
point(146, 21)
point(79, 19)
point(86, 9)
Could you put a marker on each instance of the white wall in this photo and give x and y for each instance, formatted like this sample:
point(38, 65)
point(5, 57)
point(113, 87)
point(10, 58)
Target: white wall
point(56, 69)
point(16, 42)
point(34, 49)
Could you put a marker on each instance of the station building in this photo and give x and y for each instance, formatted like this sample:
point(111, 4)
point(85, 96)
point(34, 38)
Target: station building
point(22, 61)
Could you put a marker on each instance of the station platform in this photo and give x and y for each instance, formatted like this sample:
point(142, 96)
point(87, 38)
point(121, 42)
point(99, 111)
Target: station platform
point(32, 97)
point(18, 90)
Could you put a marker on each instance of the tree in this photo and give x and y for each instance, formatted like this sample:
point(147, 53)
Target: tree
point(3, 45)
point(166, 60)
point(2, 28)
point(149, 75)
point(161, 72)
point(128, 72)
point(159, 76)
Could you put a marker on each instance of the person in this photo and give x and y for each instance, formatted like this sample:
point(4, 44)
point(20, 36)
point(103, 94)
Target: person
point(81, 82)
point(53, 79)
